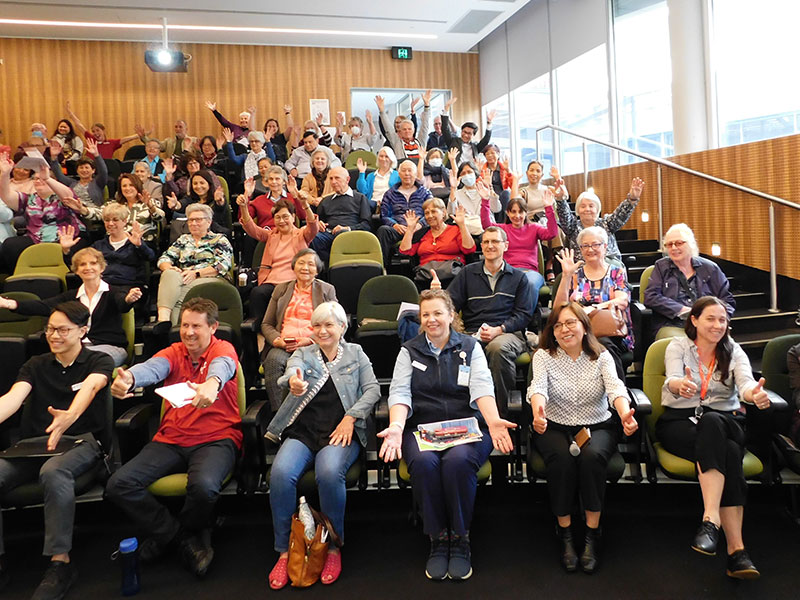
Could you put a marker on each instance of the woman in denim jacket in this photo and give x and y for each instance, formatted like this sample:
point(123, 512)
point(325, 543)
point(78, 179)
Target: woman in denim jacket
point(332, 390)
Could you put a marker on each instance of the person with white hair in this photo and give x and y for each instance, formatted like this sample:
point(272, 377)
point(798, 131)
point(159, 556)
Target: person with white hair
point(321, 425)
point(240, 130)
point(588, 210)
point(680, 278)
point(259, 148)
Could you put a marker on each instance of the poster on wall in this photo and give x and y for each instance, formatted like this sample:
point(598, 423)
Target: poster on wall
point(320, 105)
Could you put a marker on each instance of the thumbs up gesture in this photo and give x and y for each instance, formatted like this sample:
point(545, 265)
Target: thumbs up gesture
point(629, 424)
point(122, 384)
point(539, 420)
point(297, 386)
point(688, 388)
point(759, 396)
point(435, 283)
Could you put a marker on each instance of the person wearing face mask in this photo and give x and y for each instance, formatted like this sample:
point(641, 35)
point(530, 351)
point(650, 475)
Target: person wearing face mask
point(259, 148)
point(467, 191)
point(241, 130)
point(408, 194)
point(466, 149)
point(357, 138)
point(587, 208)
point(434, 175)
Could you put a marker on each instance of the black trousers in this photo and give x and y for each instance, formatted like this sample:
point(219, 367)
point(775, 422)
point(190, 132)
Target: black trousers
point(716, 442)
point(616, 349)
point(259, 301)
point(586, 472)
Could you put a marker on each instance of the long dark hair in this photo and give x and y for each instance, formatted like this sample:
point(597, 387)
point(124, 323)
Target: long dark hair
point(69, 136)
point(724, 350)
point(591, 346)
point(205, 174)
point(134, 181)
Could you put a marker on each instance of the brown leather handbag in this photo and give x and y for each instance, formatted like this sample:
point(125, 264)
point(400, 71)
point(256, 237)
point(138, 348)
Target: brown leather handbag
point(609, 322)
point(307, 557)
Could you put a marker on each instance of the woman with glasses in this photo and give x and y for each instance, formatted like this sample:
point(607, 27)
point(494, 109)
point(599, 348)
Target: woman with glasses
point(574, 388)
point(597, 284)
point(682, 277)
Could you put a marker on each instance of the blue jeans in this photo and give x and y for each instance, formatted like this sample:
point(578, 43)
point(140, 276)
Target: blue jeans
point(537, 281)
point(330, 467)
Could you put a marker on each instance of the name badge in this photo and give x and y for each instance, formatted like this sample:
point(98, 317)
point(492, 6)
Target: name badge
point(419, 365)
point(77, 386)
point(463, 375)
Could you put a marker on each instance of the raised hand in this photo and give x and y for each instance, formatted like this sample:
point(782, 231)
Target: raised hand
point(361, 165)
point(227, 134)
point(759, 395)
point(435, 283)
point(133, 295)
point(219, 196)
point(340, 120)
point(461, 216)
point(548, 199)
point(297, 385)
point(539, 420)
point(242, 200)
point(380, 102)
point(6, 164)
point(212, 106)
point(146, 198)
point(169, 166)
point(135, 234)
point(568, 264)
point(449, 103)
point(122, 384)
point(172, 202)
point(91, 147)
point(318, 119)
point(66, 237)
point(483, 189)
point(251, 109)
point(637, 186)
point(411, 220)
point(368, 115)
point(426, 97)
point(291, 186)
point(490, 116)
point(554, 173)
point(249, 187)
point(452, 156)
point(139, 130)
point(55, 148)
point(287, 108)
point(629, 424)
point(414, 102)
point(688, 388)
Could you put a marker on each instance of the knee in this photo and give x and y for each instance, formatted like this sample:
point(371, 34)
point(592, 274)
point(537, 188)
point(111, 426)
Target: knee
point(423, 465)
point(205, 487)
point(589, 458)
point(51, 475)
point(329, 475)
point(711, 423)
point(118, 486)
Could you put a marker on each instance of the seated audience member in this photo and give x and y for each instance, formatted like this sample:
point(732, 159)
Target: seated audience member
point(445, 481)
point(574, 387)
point(708, 375)
point(408, 194)
point(496, 304)
point(211, 156)
point(172, 146)
point(105, 146)
point(241, 130)
point(195, 257)
point(466, 149)
point(152, 148)
point(299, 163)
point(402, 141)
point(92, 175)
point(332, 392)
point(344, 210)
point(468, 192)
point(273, 134)
point(262, 185)
point(178, 175)
point(258, 150)
point(124, 251)
point(355, 138)
point(587, 208)
point(287, 323)
point(66, 391)
point(375, 185)
point(142, 208)
point(680, 278)
point(315, 125)
point(71, 144)
point(440, 247)
point(50, 206)
point(436, 137)
point(21, 179)
point(315, 185)
point(496, 175)
point(793, 364)
point(260, 204)
point(433, 174)
point(201, 439)
point(105, 306)
point(151, 185)
point(202, 190)
point(281, 243)
point(523, 238)
point(597, 284)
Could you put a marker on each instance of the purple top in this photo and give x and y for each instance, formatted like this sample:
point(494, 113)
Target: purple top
point(43, 217)
point(523, 252)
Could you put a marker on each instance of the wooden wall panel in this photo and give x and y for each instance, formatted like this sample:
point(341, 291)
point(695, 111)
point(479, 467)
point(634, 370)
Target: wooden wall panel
point(109, 82)
point(716, 213)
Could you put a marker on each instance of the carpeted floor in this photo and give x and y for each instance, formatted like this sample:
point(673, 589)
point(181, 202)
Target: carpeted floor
point(646, 554)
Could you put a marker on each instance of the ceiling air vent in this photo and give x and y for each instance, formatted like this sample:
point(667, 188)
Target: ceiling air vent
point(474, 21)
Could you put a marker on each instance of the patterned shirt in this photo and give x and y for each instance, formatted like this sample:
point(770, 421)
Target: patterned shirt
point(43, 217)
point(588, 292)
point(612, 223)
point(147, 219)
point(213, 250)
point(576, 392)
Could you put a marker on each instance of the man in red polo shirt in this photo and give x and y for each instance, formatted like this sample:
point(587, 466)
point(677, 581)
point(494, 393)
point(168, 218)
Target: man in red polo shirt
point(201, 439)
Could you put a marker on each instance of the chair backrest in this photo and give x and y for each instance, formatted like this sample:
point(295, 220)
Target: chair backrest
point(14, 324)
point(653, 379)
point(257, 254)
point(370, 158)
point(355, 247)
point(224, 185)
point(644, 279)
point(129, 327)
point(380, 297)
point(773, 365)
point(228, 300)
point(135, 152)
point(45, 258)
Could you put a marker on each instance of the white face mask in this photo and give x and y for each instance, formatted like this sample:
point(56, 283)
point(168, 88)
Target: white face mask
point(468, 179)
point(435, 162)
point(355, 130)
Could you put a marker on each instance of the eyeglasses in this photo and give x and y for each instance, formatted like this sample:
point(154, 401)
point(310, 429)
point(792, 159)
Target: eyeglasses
point(197, 219)
point(62, 331)
point(675, 244)
point(491, 242)
point(569, 324)
point(593, 246)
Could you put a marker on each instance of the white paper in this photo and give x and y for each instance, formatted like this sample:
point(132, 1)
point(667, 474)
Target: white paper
point(320, 105)
point(404, 306)
point(178, 394)
point(32, 160)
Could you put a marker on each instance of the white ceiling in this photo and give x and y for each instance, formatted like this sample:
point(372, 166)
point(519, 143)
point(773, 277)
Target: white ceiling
point(473, 19)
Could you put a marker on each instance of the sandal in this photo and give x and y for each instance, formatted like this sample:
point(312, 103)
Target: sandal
point(332, 568)
point(279, 576)
point(549, 276)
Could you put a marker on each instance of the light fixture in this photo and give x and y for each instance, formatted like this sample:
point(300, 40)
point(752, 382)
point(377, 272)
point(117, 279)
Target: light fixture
point(645, 216)
point(716, 249)
point(164, 60)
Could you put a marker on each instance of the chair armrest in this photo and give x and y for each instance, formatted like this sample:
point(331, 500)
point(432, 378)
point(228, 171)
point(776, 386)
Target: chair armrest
point(640, 401)
point(641, 308)
point(381, 412)
point(777, 401)
point(256, 414)
point(132, 431)
point(251, 325)
point(134, 418)
point(253, 465)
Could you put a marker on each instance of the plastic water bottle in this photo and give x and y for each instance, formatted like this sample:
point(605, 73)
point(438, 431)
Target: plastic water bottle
point(306, 518)
point(129, 561)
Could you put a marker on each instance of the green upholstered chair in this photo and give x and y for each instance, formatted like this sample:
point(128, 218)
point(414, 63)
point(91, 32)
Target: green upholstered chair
point(229, 303)
point(356, 258)
point(41, 270)
point(351, 162)
point(644, 279)
point(776, 373)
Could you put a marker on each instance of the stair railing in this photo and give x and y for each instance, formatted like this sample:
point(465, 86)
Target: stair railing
point(773, 274)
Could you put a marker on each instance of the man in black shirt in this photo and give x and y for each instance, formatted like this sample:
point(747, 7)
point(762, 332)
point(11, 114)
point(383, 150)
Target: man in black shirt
point(61, 387)
point(344, 210)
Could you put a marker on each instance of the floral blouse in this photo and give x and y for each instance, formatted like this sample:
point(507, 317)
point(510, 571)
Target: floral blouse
point(213, 250)
point(588, 292)
point(44, 216)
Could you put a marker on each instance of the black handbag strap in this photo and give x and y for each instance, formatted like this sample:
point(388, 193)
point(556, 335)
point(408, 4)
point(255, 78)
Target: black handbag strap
point(322, 519)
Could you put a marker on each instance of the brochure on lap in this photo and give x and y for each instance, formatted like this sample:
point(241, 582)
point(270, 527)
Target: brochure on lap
point(442, 435)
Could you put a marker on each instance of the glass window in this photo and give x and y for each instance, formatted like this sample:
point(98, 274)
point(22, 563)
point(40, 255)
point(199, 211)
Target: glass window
point(758, 96)
point(501, 130)
point(531, 111)
point(644, 77)
point(582, 91)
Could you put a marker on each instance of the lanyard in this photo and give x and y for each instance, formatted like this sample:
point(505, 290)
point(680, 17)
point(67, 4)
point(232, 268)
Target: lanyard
point(706, 379)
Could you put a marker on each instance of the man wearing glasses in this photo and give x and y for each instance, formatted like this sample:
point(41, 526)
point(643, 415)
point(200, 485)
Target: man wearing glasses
point(60, 386)
point(496, 304)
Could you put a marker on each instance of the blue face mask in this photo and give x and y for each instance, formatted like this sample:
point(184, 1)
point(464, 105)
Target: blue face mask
point(468, 179)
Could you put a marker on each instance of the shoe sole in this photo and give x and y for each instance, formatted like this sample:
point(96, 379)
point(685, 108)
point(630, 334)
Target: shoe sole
point(432, 578)
point(744, 574)
point(467, 576)
point(703, 552)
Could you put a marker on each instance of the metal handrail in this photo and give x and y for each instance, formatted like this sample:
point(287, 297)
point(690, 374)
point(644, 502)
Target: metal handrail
point(773, 276)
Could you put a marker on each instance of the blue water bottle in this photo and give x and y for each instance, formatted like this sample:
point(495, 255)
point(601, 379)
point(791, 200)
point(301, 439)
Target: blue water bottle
point(129, 561)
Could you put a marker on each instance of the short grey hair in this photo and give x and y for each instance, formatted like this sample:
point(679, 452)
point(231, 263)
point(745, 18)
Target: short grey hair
point(257, 135)
point(499, 230)
point(276, 169)
point(595, 231)
point(331, 310)
point(303, 252)
point(592, 197)
point(686, 234)
point(203, 208)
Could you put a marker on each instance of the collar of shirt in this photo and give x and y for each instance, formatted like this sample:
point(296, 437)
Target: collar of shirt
point(81, 295)
point(496, 275)
point(203, 359)
point(432, 347)
point(349, 192)
point(82, 356)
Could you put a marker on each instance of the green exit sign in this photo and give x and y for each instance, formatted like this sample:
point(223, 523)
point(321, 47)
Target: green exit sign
point(401, 52)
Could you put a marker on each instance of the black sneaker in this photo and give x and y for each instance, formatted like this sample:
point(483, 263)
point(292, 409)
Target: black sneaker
point(151, 550)
point(436, 567)
point(741, 567)
point(706, 538)
point(57, 581)
point(460, 565)
point(197, 553)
